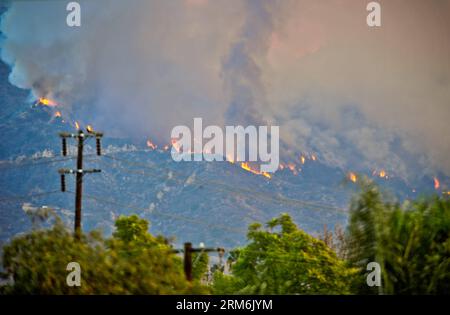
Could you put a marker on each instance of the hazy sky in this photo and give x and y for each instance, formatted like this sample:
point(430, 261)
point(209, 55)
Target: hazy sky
point(360, 97)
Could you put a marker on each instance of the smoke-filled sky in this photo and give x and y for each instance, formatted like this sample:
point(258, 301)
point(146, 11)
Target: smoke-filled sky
point(360, 97)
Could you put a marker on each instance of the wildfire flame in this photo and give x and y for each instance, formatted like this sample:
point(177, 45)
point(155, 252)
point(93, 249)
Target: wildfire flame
point(77, 125)
point(437, 184)
point(46, 102)
point(89, 128)
point(292, 167)
point(246, 166)
point(302, 159)
point(151, 145)
point(352, 177)
point(383, 174)
point(58, 114)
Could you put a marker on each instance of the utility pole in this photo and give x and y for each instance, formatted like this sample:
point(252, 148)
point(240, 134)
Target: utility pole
point(79, 171)
point(188, 261)
point(188, 250)
point(79, 184)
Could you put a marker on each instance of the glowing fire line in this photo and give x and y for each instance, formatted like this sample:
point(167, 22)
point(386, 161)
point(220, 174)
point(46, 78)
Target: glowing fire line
point(46, 102)
point(247, 167)
point(437, 184)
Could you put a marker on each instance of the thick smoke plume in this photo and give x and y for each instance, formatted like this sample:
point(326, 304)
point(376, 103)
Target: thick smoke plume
point(359, 97)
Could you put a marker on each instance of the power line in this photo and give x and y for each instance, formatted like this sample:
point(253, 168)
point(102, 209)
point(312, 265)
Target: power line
point(36, 161)
point(142, 172)
point(241, 191)
point(279, 257)
point(8, 165)
point(159, 213)
point(244, 191)
point(181, 181)
point(187, 260)
point(247, 193)
point(11, 198)
point(199, 182)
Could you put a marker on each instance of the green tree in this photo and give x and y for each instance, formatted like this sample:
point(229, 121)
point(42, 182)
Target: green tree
point(131, 262)
point(283, 259)
point(200, 263)
point(411, 242)
point(132, 228)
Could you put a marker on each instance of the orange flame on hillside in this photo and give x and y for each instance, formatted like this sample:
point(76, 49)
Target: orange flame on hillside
point(77, 125)
point(46, 102)
point(289, 166)
point(292, 167)
point(383, 174)
point(302, 159)
point(437, 184)
point(89, 128)
point(247, 167)
point(352, 177)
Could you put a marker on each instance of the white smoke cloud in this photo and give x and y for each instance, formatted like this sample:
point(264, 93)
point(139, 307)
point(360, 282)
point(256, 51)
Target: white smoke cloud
point(360, 97)
point(383, 92)
point(136, 67)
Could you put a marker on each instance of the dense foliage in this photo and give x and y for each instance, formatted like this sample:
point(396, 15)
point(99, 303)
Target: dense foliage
point(131, 262)
point(411, 242)
point(283, 259)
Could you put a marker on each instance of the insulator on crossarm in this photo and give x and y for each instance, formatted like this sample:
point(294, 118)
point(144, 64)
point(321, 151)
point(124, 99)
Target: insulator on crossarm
point(64, 146)
point(99, 148)
point(63, 182)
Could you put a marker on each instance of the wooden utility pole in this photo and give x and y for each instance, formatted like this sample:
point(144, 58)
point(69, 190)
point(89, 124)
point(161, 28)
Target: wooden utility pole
point(188, 250)
point(79, 171)
point(79, 185)
point(188, 261)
